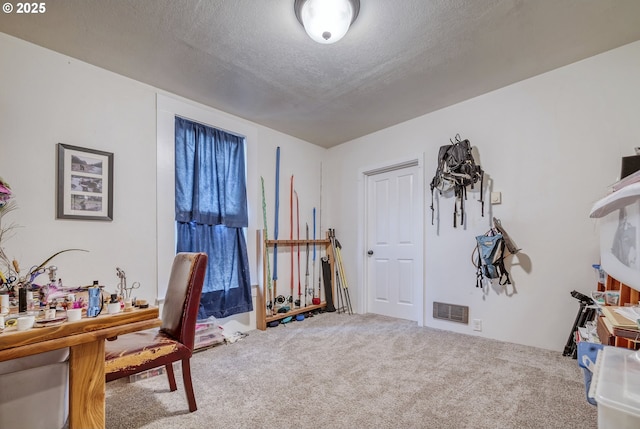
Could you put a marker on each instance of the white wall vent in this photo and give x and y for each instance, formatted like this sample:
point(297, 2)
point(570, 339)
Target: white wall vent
point(452, 312)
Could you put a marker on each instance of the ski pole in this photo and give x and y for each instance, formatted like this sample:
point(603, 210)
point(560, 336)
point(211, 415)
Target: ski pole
point(306, 274)
point(314, 300)
point(291, 238)
point(266, 237)
point(321, 268)
point(298, 245)
point(344, 277)
point(275, 228)
point(339, 297)
point(344, 291)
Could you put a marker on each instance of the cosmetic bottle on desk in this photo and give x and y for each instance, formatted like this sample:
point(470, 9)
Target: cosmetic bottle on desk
point(22, 300)
point(33, 305)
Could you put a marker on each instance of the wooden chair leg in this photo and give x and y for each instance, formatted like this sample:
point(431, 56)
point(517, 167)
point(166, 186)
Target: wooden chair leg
point(188, 386)
point(171, 377)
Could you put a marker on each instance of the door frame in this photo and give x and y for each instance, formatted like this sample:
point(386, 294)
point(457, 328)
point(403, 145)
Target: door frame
point(363, 175)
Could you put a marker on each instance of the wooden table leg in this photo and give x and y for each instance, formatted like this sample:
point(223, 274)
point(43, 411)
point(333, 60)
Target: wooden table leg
point(87, 386)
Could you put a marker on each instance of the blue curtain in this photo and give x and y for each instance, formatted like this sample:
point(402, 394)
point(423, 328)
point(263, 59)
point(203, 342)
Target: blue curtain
point(211, 210)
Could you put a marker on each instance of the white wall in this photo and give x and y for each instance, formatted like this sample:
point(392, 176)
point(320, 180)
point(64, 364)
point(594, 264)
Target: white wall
point(48, 98)
point(551, 144)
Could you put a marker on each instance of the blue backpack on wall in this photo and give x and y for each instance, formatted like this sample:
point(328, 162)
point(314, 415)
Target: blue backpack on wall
point(490, 262)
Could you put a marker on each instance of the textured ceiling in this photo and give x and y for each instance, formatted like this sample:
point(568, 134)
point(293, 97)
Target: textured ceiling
point(401, 59)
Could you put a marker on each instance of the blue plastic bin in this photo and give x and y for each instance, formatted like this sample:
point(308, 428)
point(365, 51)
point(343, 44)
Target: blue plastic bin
point(587, 353)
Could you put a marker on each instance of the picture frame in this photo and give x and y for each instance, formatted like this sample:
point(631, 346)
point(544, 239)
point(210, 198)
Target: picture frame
point(84, 183)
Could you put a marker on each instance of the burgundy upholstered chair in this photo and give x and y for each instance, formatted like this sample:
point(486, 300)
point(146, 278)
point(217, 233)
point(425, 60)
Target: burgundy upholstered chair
point(173, 341)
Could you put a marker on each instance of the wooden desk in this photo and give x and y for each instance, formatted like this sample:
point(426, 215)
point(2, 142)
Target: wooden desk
point(85, 339)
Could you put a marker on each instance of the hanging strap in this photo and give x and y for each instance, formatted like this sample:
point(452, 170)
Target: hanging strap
point(503, 271)
point(479, 269)
point(481, 193)
point(501, 268)
point(463, 197)
point(455, 207)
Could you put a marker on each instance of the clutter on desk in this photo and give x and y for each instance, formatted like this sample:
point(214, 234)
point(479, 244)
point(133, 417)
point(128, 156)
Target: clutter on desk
point(51, 304)
point(123, 290)
point(21, 296)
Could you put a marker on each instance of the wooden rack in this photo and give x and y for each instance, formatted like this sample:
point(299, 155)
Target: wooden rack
point(628, 295)
point(617, 336)
point(262, 318)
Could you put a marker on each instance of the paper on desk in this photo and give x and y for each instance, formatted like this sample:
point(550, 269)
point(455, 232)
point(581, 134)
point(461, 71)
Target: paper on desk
point(631, 313)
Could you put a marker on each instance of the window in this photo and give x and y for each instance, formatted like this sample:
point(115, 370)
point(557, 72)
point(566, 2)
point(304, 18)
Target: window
point(211, 212)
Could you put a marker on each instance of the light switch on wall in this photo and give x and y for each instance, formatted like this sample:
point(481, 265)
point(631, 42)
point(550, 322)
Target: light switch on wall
point(496, 197)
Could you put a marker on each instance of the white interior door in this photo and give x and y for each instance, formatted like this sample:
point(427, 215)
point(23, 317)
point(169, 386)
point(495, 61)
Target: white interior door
point(394, 243)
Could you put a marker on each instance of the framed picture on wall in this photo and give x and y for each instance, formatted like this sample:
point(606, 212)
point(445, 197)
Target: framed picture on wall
point(84, 183)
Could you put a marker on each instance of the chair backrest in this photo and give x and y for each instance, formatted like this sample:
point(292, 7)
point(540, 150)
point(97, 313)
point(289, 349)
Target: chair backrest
point(182, 301)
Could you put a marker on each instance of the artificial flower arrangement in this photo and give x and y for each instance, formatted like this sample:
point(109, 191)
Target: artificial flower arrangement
point(11, 277)
point(6, 205)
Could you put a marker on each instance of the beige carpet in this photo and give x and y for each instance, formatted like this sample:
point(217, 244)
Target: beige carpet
point(362, 371)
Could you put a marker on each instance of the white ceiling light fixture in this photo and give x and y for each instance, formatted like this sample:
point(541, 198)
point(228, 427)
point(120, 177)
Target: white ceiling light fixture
point(326, 21)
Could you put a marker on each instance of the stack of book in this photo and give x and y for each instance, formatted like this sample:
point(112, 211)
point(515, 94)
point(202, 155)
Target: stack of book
point(622, 321)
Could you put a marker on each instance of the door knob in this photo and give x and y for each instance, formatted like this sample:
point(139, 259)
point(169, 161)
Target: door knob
point(370, 252)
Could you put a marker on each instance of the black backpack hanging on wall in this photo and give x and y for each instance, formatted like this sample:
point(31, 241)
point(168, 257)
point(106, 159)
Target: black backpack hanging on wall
point(456, 170)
